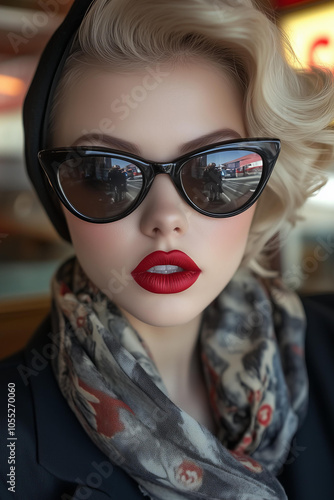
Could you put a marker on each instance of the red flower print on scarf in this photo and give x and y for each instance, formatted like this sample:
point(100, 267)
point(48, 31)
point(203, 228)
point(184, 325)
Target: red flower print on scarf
point(64, 289)
point(254, 396)
point(189, 475)
point(81, 321)
point(106, 411)
point(245, 443)
point(247, 462)
point(264, 415)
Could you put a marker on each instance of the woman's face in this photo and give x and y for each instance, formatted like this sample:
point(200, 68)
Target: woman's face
point(158, 113)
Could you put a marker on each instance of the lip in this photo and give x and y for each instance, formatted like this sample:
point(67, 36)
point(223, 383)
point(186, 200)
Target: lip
point(166, 283)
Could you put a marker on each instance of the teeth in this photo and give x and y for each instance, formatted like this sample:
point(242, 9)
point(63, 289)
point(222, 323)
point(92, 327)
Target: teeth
point(165, 269)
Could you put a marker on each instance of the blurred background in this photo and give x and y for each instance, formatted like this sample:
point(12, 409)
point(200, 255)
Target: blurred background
point(30, 249)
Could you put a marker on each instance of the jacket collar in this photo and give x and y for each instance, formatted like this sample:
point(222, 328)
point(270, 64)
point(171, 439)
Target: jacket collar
point(63, 447)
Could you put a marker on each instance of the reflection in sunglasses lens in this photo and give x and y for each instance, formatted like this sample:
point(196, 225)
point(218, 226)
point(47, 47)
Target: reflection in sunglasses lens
point(103, 187)
point(99, 186)
point(222, 182)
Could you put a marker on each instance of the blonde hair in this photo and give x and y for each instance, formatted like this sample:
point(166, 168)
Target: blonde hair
point(294, 105)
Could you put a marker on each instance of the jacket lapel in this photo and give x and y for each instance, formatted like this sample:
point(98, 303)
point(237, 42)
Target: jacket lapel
point(63, 447)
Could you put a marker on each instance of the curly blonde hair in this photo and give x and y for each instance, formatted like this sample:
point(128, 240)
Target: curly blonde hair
point(294, 105)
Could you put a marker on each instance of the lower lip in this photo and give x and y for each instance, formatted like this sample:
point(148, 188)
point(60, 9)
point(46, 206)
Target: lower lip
point(166, 283)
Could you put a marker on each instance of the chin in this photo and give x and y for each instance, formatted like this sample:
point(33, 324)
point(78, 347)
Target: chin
point(164, 312)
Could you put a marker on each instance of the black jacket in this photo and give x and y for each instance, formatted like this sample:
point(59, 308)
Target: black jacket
point(52, 458)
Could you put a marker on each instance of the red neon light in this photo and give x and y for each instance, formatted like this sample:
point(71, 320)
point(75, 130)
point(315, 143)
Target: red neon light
point(284, 4)
point(325, 41)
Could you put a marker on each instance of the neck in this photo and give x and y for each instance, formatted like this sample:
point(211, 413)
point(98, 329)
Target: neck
point(173, 349)
point(175, 352)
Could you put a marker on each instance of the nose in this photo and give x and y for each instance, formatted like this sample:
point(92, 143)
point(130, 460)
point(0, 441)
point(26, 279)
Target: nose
point(163, 211)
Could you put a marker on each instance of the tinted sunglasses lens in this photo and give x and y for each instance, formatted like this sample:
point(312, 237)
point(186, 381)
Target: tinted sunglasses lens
point(100, 187)
point(222, 182)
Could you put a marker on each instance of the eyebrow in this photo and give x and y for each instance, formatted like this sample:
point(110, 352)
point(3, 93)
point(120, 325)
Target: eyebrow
point(122, 145)
point(108, 140)
point(207, 139)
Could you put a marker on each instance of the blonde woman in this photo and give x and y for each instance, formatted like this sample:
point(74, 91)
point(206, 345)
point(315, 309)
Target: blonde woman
point(171, 365)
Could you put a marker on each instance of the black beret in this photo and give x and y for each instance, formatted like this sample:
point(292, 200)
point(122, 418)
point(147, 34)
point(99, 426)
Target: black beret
point(37, 107)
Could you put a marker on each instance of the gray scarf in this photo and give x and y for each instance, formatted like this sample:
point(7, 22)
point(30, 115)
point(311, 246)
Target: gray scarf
point(251, 340)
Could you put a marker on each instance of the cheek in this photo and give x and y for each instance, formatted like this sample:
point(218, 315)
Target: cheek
point(228, 238)
point(97, 248)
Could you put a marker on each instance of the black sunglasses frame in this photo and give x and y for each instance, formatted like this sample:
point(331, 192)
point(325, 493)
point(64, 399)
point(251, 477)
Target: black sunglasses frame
point(51, 159)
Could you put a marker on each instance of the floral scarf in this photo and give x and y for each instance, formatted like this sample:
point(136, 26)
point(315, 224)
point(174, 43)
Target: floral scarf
point(252, 352)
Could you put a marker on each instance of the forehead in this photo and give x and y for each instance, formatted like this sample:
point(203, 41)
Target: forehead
point(160, 105)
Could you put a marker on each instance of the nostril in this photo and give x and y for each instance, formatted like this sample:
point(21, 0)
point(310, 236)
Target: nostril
point(157, 230)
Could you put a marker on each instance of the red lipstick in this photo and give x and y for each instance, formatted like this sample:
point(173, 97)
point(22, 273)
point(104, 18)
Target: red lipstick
point(166, 272)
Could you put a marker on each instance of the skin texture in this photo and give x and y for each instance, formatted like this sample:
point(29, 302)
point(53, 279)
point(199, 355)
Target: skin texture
point(189, 101)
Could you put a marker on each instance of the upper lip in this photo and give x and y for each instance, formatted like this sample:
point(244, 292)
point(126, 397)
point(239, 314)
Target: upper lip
point(173, 258)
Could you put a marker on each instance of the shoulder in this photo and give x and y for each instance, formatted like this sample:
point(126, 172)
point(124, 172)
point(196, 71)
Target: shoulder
point(319, 346)
point(319, 310)
point(21, 476)
point(17, 370)
point(44, 451)
point(308, 472)
point(15, 396)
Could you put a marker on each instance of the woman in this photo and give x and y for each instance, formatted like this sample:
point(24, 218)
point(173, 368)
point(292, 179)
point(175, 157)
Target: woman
point(178, 352)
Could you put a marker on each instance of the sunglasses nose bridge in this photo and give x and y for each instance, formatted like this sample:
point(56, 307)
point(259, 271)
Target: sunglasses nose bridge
point(163, 168)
